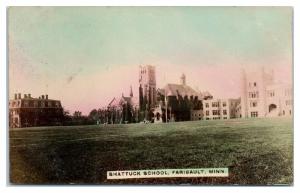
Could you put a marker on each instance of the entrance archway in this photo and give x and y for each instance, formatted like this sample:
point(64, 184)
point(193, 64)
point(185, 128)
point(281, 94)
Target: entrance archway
point(272, 107)
point(157, 116)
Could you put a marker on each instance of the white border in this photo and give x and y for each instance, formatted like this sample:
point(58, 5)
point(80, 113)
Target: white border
point(75, 189)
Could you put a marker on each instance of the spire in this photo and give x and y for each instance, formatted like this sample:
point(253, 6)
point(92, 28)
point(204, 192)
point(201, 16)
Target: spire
point(131, 93)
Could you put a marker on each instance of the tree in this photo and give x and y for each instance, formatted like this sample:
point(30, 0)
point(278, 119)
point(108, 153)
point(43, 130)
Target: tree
point(77, 114)
point(66, 112)
point(66, 117)
point(93, 115)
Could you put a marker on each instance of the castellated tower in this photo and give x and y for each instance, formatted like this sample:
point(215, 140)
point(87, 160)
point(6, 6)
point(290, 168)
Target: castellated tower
point(254, 92)
point(147, 87)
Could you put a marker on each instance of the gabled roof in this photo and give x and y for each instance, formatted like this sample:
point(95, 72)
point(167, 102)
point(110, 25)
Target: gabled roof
point(113, 102)
point(183, 90)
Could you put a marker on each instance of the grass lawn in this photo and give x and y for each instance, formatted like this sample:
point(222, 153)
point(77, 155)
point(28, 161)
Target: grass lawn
point(256, 151)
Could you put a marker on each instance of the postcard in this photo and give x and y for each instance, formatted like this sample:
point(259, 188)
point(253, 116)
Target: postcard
point(150, 95)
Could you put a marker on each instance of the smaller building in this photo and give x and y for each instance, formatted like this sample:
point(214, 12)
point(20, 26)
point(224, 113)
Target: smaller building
point(123, 110)
point(180, 102)
point(27, 111)
point(220, 109)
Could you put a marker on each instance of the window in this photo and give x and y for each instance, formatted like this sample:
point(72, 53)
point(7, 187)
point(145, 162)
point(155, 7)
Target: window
point(31, 104)
point(25, 103)
point(216, 112)
point(215, 104)
point(290, 112)
point(207, 118)
point(224, 117)
point(283, 112)
point(224, 104)
point(271, 93)
point(254, 114)
point(253, 94)
point(206, 105)
point(253, 104)
point(252, 85)
point(288, 102)
point(207, 113)
point(224, 112)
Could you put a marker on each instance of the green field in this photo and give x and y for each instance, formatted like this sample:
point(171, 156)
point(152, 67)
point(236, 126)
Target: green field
point(256, 151)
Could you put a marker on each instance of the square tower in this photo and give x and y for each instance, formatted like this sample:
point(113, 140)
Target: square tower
point(147, 87)
point(254, 93)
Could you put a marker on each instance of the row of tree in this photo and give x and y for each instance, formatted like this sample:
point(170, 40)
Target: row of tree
point(126, 114)
point(179, 107)
point(78, 119)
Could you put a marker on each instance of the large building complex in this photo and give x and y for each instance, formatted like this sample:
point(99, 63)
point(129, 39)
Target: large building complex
point(27, 111)
point(261, 96)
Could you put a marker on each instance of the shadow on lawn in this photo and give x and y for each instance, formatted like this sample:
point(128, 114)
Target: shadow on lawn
point(68, 164)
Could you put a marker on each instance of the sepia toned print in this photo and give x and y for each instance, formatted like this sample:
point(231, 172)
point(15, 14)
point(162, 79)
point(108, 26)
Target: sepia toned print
point(150, 95)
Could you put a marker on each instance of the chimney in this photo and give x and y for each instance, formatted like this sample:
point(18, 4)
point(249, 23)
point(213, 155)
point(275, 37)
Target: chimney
point(25, 96)
point(46, 96)
point(19, 95)
point(29, 95)
point(131, 93)
point(16, 96)
point(43, 97)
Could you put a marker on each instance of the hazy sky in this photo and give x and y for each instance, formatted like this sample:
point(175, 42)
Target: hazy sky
point(84, 56)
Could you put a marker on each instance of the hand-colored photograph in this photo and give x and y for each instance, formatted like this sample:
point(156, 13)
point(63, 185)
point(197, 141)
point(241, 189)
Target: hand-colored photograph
point(150, 95)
